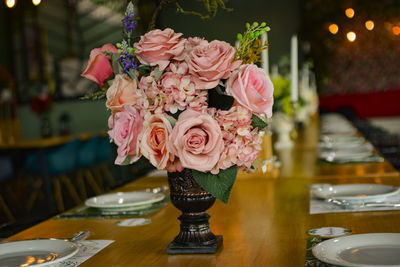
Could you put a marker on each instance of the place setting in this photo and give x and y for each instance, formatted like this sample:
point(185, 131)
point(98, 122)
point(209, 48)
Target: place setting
point(51, 251)
point(327, 198)
point(352, 250)
point(121, 204)
point(339, 148)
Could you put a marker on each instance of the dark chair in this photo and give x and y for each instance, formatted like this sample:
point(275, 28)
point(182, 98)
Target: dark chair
point(86, 158)
point(6, 173)
point(61, 163)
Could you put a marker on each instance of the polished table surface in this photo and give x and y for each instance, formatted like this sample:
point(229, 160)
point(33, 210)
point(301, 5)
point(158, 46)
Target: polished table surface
point(301, 161)
point(264, 224)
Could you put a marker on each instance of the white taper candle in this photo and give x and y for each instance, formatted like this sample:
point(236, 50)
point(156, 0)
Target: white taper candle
point(294, 69)
point(264, 53)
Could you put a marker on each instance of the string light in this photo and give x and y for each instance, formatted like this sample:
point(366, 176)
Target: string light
point(36, 2)
point(369, 24)
point(351, 36)
point(333, 28)
point(349, 12)
point(10, 3)
point(396, 30)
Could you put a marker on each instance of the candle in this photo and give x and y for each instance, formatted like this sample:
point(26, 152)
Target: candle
point(305, 77)
point(264, 53)
point(294, 70)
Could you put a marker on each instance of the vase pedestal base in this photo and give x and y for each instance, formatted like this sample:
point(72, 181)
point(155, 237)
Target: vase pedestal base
point(176, 248)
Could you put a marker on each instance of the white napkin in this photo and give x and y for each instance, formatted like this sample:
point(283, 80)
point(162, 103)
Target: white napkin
point(318, 206)
point(87, 248)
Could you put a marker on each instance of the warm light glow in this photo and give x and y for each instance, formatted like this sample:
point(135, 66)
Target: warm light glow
point(36, 2)
point(333, 28)
point(10, 3)
point(369, 24)
point(349, 12)
point(396, 30)
point(351, 36)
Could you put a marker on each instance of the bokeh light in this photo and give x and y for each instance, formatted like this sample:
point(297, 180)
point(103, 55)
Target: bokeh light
point(369, 24)
point(351, 36)
point(333, 28)
point(10, 3)
point(349, 12)
point(396, 30)
point(36, 2)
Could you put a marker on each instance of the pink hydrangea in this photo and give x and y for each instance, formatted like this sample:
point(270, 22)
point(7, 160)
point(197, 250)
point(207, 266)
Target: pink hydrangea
point(181, 93)
point(150, 97)
point(242, 143)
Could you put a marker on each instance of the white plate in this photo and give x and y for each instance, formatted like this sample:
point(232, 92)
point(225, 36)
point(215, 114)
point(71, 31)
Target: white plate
point(41, 252)
point(372, 250)
point(124, 200)
point(356, 192)
point(352, 153)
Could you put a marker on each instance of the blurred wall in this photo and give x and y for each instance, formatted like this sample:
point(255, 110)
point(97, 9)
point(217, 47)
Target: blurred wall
point(85, 116)
point(89, 116)
point(282, 16)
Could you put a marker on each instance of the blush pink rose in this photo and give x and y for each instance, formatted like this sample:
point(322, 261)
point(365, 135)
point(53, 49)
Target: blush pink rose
point(159, 47)
point(99, 67)
point(122, 91)
point(191, 43)
point(252, 88)
point(126, 127)
point(211, 62)
point(156, 131)
point(197, 140)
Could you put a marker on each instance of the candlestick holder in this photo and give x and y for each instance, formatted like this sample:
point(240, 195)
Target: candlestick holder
point(298, 125)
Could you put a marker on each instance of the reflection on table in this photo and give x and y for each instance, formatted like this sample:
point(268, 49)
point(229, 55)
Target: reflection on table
point(265, 221)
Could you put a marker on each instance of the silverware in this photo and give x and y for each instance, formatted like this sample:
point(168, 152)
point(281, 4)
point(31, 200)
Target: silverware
point(82, 235)
point(346, 204)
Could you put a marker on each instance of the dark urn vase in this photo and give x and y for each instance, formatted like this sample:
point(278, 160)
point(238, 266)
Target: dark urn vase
point(195, 236)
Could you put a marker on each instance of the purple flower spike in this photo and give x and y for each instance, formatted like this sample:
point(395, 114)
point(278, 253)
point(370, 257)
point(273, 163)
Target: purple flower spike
point(129, 24)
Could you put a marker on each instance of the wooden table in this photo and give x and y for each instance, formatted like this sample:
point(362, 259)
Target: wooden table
point(301, 161)
point(264, 224)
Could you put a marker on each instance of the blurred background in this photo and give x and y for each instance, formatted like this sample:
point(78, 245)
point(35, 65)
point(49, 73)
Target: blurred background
point(351, 48)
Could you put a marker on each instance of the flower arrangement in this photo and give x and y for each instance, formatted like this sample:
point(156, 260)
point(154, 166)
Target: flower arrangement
point(185, 102)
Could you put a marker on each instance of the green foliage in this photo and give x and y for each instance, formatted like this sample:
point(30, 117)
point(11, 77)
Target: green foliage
point(100, 94)
point(219, 185)
point(258, 122)
point(281, 86)
point(210, 5)
point(250, 45)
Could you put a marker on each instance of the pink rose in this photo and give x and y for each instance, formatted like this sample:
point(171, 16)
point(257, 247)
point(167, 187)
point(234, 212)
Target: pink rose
point(252, 88)
point(191, 43)
point(122, 91)
point(159, 47)
point(126, 127)
point(153, 145)
point(197, 140)
point(211, 62)
point(99, 68)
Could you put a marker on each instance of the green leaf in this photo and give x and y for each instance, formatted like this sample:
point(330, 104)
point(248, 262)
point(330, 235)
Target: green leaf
point(132, 75)
point(144, 70)
point(258, 122)
point(126, 161)
point(116, 66)
point(157, 73)
point(219, 185)
point(219, 101)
